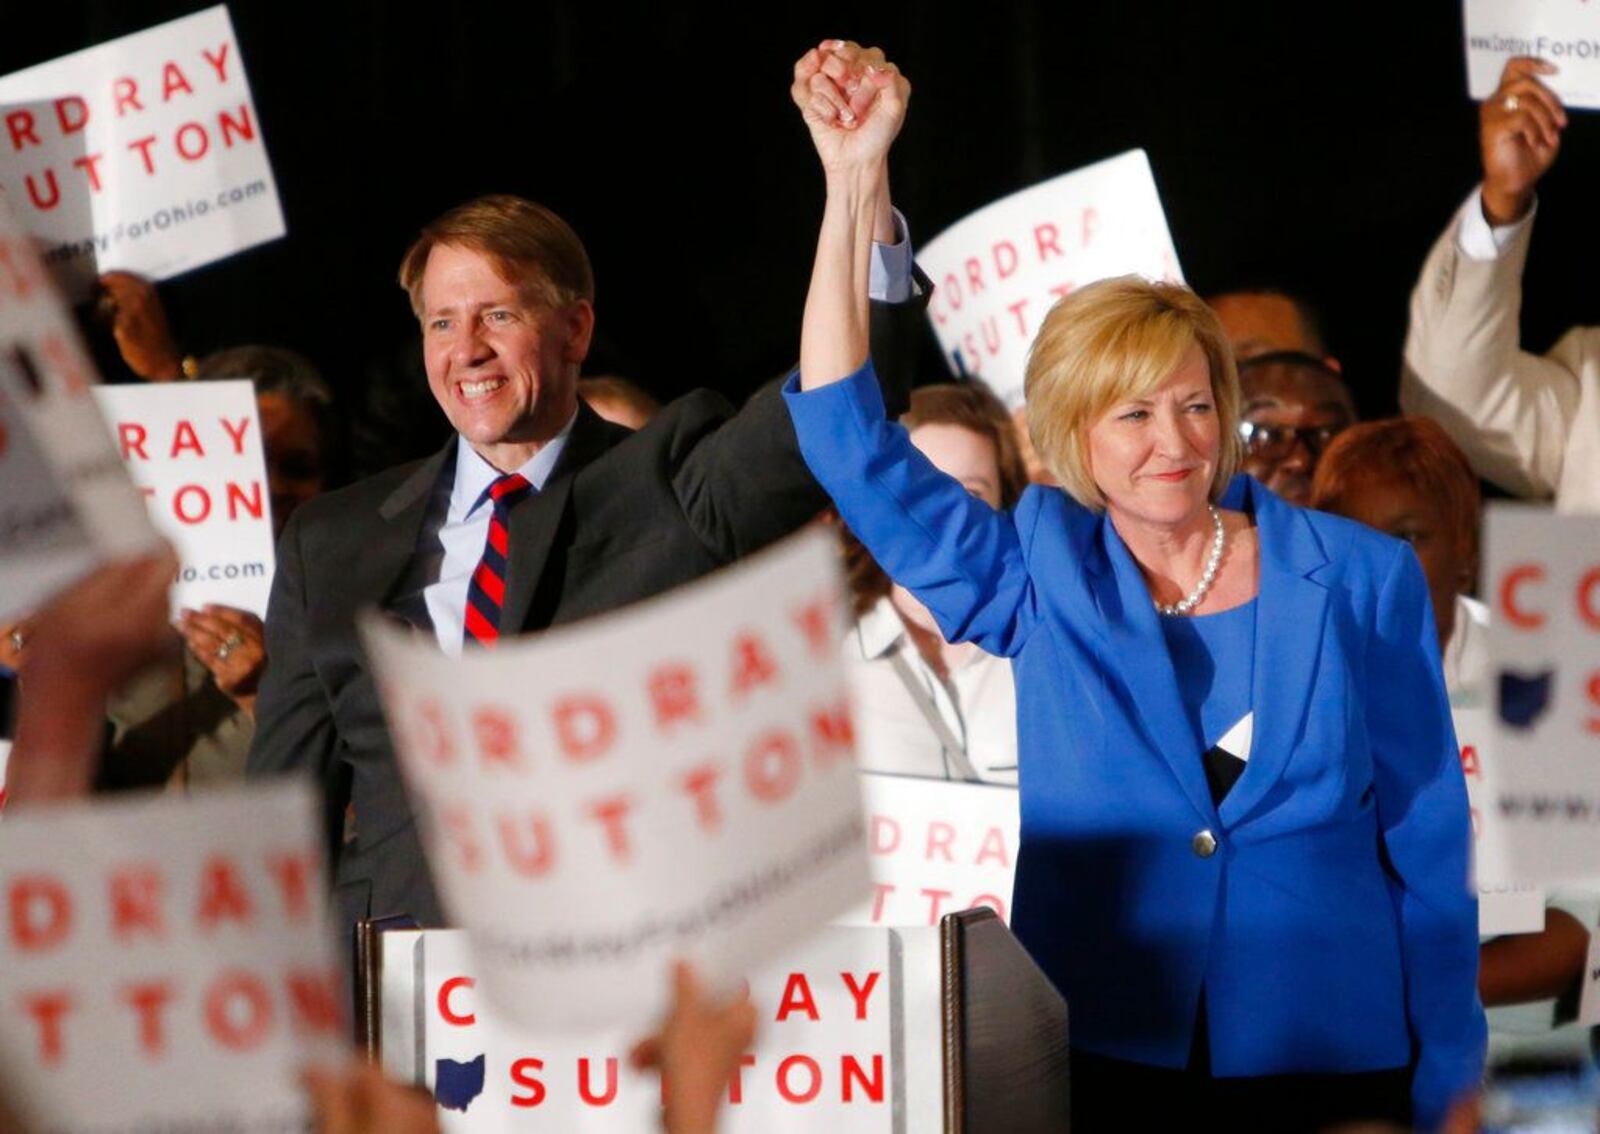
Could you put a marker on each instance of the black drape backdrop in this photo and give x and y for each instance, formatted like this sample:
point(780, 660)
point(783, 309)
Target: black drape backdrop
point(1317, 146)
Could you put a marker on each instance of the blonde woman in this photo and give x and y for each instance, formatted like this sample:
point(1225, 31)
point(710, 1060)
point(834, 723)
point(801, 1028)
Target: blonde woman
point(1245, 838)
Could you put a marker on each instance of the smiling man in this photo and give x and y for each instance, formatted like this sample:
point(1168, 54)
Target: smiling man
point(537, 512)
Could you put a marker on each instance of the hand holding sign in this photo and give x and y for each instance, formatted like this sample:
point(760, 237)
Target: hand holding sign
point(231, 643)
point(853, 101)
point(139, 324)
point(697, 1051)
point(1519, 135)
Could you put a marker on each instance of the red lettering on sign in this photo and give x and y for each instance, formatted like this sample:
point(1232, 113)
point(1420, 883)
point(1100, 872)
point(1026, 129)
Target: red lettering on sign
point(940, 836)
point(701, 782)
point(880, 893)
point(797, 998)
point(853, 1074)
point(736, 1080)
point(613, 814)
point(132, 436)
point(522, 1076)
point(143, 146)
point(974, 274)
point(78, 117)
point(884, 834)
point(832, 734)
point(251, 505)
point(1016, 310)
point(753, 664)
point(447, 1012)
point(40, 201)
point(432, 733)
point(935, 897)
point(241, 126)
point(148, 1001)
point(1594, 699)
point(19, 124)
point(41, 912)
point(136, 903)
point(673, 694)
point(1589, 598)
point(192, 504)
point(860, 992)
point(1091, 223)
point(772, 767)
point(184, 437)
point(585, 726)
point(495, 731)
point(90, 164)
point(197, 144)
point(586, 1088)
point(528, 861)
point(236, 431)
point(126, 93)
point(990, 900)
point(1046, 237)
point(1469, 760)
point(786, 1088)
point(47, 1010)
point(994, 847)
point(815, 622)
point(219, 61)
point(1005, 258)
point(173, 80)
point(222, 894)
point(1510, 584)
point(314, 1002)
point(238, 1011)
point(456, 822)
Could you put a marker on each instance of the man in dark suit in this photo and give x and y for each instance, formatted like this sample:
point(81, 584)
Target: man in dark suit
point(536, 513)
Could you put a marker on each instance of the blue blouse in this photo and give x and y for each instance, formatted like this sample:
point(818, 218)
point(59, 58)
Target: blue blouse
point(1214, 656)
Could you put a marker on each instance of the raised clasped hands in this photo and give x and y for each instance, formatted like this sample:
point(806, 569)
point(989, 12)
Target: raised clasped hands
point(853, 101)
point(1519, 135)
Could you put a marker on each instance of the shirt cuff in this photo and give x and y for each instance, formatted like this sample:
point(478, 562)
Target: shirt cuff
point(1476, 239)
point(890, 281)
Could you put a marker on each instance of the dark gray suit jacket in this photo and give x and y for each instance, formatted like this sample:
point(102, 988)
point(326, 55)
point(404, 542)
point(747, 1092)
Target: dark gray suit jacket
point(624, 516)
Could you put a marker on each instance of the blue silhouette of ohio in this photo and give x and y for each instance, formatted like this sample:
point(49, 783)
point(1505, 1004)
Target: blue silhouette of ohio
point(1523, 700)
point(455, 1084)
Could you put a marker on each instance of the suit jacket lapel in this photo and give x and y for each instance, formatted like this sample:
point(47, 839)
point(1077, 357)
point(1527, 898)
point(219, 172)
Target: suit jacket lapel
point(405, 509)
point(1290, 613)
point(1137, 651)
point(535, 522)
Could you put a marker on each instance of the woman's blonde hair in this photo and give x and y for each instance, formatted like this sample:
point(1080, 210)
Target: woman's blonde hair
point(1111, 342)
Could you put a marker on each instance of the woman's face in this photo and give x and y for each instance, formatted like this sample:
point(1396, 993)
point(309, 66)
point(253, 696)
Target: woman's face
point(1397, 507)
point(1155, 457)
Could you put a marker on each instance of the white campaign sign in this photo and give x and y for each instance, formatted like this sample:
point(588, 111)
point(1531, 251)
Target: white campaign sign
point(166, 963)
point(843, 1037)
point(1543, 578)
point(1563, 32)
point(673, 779)
point(1503, 907)
point(194, 450)
point(997, 272)
point(143, 154)
point(936, 847)
point(66, 504)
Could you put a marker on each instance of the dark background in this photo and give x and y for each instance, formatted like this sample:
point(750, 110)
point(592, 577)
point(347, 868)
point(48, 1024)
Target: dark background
point(1318, 146)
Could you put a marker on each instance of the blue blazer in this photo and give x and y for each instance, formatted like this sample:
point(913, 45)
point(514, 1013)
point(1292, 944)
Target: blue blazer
point(1334, 928)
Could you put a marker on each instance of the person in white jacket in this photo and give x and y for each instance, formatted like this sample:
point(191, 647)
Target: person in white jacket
point(1529, 423)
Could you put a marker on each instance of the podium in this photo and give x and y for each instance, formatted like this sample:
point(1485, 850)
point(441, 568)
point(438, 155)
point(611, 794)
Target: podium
point(964, 1035)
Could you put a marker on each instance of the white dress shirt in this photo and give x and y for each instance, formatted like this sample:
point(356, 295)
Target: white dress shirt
point(466, 529)
point(978, 705)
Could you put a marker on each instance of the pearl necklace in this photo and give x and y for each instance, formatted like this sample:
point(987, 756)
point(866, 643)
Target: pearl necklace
point(1191, 600)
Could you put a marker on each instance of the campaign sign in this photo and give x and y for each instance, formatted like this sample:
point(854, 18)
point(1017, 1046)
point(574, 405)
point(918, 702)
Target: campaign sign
point(1543, 580)
point(5, 756)
point(194, 451)
point(166, 963)
point(677, 779)
point(997, 272)
point(1503, 907)
point(143, 154)
point(66, 504)
point(832, 1047)
point(1563, 32)
point(936, 847)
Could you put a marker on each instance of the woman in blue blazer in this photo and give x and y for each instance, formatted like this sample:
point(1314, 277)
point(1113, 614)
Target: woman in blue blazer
point(1245, 837)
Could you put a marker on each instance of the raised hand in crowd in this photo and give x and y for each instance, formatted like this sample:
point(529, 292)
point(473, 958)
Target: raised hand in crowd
point(359, 1100)
point(13, 637)
point(139, 324)
point(697, 1052)
point(88, 642)
point(1519, 136)
point(231, 643)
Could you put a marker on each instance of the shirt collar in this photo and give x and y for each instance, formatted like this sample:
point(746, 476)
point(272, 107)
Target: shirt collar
point(880, 629)
point(474, 475)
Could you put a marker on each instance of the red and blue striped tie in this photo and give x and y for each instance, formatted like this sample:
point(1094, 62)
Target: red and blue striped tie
point(486, 594)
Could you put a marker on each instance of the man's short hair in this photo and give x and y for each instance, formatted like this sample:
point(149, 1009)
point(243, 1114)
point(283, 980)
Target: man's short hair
point(1112, 341)
point(528, 244)
point(1310, 321)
